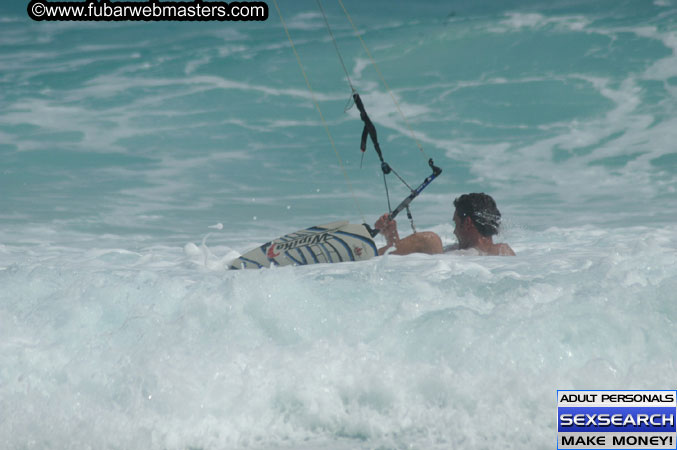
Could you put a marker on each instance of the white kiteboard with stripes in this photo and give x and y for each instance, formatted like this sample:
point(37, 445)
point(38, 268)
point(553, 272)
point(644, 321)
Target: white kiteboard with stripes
point(330, 243)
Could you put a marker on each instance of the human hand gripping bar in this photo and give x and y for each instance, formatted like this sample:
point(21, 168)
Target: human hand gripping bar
point(414, 193)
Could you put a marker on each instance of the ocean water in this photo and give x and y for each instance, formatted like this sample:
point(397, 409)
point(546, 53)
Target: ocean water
point(139, 158)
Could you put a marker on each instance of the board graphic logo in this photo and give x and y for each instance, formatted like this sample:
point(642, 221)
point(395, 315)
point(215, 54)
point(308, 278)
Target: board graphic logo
point(271, 253)
point(311, 239)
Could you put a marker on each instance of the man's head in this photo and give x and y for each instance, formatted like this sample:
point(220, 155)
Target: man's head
point(477, 211)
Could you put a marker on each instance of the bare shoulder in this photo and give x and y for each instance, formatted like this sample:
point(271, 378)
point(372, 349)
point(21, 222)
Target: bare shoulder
point(431, 243)
point(505, 250)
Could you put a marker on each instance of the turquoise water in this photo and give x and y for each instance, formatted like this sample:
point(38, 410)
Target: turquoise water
point(138, 159)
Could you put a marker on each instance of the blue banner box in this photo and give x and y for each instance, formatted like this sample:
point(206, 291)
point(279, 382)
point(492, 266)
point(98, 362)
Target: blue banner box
point(614, 419)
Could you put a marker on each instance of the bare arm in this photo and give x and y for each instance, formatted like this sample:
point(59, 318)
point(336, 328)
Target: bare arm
point(387, 228)
point(505, 250)
point(423, 242)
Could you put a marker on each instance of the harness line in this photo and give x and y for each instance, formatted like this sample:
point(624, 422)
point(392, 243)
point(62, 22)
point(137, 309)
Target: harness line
point(333, 39)
point(369, 128)
point(373, 62)
point(317, 106)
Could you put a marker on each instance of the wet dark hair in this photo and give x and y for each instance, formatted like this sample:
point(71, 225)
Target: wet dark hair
point(482, 210)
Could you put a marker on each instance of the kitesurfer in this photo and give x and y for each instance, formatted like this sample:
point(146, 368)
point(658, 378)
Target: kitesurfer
point(476, 218)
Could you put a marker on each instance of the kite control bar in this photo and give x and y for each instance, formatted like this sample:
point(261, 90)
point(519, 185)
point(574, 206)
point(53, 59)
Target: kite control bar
point(414, 193)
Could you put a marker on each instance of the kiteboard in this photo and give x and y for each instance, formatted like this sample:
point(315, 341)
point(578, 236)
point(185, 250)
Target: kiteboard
point(330, 243)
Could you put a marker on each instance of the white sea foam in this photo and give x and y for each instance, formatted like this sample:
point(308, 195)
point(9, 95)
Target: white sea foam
point(176, 357)
point(517, 21)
